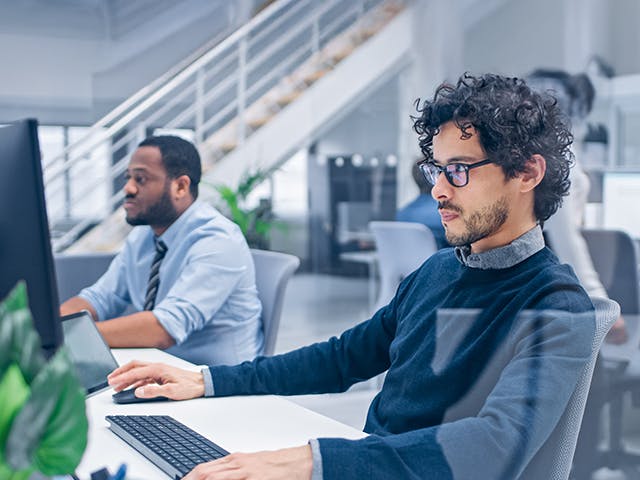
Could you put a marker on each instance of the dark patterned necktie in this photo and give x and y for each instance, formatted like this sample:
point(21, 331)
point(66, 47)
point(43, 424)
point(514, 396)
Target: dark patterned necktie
point(154, 276)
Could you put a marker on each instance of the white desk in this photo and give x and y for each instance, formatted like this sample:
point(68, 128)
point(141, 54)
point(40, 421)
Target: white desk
point(235, 423)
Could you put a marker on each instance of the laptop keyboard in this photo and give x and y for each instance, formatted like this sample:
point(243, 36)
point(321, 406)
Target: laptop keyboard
point(170, 445)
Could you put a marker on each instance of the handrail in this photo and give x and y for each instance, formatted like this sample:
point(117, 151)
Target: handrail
point(195, 59)
point(221, 83)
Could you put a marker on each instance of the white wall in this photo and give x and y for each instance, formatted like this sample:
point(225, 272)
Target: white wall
point(516, 38)
point(370, 129)
point(624, 28)
point(66, 67)
point(523, 34)
point(45, 73)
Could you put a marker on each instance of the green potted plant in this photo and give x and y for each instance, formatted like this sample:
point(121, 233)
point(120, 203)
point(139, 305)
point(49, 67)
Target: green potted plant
point(256, 223)
point(43, 423)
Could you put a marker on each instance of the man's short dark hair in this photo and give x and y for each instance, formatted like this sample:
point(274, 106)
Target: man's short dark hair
point(513, 123)
point(179, 157)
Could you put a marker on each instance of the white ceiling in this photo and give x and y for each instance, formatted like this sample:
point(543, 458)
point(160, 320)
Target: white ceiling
point(96, 20)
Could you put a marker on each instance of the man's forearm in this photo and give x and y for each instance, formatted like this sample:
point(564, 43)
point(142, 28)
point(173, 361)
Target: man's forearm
point(76, 304)
point(138, 330)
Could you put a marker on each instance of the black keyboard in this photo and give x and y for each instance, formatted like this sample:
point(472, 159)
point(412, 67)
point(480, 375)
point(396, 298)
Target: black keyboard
point(170, 445)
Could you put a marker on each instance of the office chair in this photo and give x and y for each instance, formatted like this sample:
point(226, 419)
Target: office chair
point(613, 253)
point(77, 271)
point(615, 259)
point(273, 271)
point(402, 247)
point(553, 459)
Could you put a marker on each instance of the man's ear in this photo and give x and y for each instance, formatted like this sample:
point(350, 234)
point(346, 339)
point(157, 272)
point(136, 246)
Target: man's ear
point(533, 173)
point(181, 186)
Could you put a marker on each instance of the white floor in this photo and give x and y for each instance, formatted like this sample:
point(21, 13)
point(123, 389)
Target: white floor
point(317, 307)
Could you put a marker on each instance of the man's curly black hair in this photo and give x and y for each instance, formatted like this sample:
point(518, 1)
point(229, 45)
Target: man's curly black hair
point(513, 123)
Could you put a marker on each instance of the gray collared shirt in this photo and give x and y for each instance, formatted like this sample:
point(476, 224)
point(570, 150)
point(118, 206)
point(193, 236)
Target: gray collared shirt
point(503, 257)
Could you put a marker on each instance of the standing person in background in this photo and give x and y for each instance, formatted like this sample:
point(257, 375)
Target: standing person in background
point(424, 209)
point(575, 95)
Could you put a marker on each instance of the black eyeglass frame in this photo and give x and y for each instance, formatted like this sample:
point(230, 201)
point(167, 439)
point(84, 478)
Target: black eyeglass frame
point(431, 176)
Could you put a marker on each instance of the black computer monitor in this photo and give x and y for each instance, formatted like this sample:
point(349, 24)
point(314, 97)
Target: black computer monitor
point(25, 247)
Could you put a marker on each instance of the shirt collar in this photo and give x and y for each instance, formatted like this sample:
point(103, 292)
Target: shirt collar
point(503, 257)
point(170, 234)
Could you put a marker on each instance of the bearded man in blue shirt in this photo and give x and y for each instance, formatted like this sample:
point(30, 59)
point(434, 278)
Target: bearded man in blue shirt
point(483, 345)
point(185, 270)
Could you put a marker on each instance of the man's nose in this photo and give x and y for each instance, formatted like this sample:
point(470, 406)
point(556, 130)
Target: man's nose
point(130, 187)
point(442, 188)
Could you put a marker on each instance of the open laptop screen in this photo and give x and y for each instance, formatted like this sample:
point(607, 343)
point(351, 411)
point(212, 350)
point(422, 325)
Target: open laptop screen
point(91, 356)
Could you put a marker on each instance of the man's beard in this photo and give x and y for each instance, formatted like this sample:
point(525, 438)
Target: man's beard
point(161, 214)
point(479, 224)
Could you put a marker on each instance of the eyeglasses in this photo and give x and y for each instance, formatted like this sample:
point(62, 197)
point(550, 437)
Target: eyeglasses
point(457, 174)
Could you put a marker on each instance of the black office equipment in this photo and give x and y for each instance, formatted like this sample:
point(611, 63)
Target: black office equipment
point(25, 248)
point(170, 445)
point(129, 396)
point(91, 356)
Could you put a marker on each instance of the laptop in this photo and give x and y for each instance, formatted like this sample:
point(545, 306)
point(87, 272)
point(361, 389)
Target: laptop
point(89, 353)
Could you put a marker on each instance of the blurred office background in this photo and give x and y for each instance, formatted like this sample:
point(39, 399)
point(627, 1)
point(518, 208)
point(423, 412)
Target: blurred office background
point(313, 96)
point(320, 97)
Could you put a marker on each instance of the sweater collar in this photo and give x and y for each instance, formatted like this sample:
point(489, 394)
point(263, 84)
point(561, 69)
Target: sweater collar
point(503, 257)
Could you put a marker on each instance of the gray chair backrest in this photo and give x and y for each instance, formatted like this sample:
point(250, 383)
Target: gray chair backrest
point(402, 247)
point(553, 460)
point(273, 271)
point(77, 271)
point(613, 253)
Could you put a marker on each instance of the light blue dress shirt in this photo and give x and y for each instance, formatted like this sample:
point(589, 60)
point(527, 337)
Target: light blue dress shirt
point(207, 298)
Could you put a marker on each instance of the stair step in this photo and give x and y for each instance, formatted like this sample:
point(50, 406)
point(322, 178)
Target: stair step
point(314, 76)
point(226, 138)
point(256, 123)
point(287, 98)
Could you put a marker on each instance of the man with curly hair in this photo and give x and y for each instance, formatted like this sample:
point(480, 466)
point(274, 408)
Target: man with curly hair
point(483, 345)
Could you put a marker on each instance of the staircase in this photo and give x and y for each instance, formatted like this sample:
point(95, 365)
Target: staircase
point(250, 102)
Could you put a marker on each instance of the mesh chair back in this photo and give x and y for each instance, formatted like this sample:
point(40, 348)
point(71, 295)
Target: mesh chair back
point(553, 460)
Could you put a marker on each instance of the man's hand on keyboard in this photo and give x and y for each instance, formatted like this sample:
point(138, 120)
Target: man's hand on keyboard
point(286, 464)
point(157, 379)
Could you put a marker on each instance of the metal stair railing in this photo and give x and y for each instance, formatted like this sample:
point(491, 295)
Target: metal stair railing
point(223, 95)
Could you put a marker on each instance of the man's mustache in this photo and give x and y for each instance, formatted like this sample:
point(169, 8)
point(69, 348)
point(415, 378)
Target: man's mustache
point(449, 206)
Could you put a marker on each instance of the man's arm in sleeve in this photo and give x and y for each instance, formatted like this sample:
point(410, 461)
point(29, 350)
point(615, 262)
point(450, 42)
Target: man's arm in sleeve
point(517, 418)
point(358, 354)
point(138, 330)
point(76, 304)
point(213, 270)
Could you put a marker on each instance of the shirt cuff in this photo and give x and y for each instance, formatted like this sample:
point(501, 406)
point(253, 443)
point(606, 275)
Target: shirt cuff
point(316, 471)
point(87, 296)
point(208, 382)
point(173, 326)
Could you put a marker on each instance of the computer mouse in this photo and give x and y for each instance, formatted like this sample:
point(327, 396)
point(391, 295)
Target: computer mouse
point(128, 396)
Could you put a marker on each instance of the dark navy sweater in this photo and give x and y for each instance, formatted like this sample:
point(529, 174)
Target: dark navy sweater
point(474, 386)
